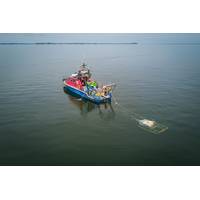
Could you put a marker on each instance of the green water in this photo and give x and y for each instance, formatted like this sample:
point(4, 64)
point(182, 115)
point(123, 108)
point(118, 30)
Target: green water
point(42, 125)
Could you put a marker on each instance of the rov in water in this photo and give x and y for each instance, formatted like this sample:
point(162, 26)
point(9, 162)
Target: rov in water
point(144, 123)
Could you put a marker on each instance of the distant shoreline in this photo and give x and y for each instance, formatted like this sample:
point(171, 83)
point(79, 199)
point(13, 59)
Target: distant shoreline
point(58, 43)
point(96, 43)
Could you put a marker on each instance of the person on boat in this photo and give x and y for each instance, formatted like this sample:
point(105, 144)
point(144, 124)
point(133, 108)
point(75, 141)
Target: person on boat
point(92, 83)
point(82, 82)
point(98, 92)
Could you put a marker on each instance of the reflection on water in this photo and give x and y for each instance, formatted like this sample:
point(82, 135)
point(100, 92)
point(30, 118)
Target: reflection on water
point(105, 111)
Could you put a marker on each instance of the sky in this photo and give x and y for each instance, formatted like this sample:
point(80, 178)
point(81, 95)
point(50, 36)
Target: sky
point(142, 38)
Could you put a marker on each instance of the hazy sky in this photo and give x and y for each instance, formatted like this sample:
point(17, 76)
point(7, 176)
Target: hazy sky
point(140, 38)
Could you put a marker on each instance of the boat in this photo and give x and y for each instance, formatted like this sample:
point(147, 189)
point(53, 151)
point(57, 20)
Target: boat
point(81, 85)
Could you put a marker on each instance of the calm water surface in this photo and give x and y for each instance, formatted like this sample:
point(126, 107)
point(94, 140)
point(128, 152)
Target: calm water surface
point(41, 125)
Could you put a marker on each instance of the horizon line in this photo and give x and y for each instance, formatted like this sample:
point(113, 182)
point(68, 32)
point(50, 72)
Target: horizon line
point(52, 43)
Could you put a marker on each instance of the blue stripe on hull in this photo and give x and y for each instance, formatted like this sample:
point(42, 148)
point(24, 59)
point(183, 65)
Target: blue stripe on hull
point(77, 93)
point(83, 95)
